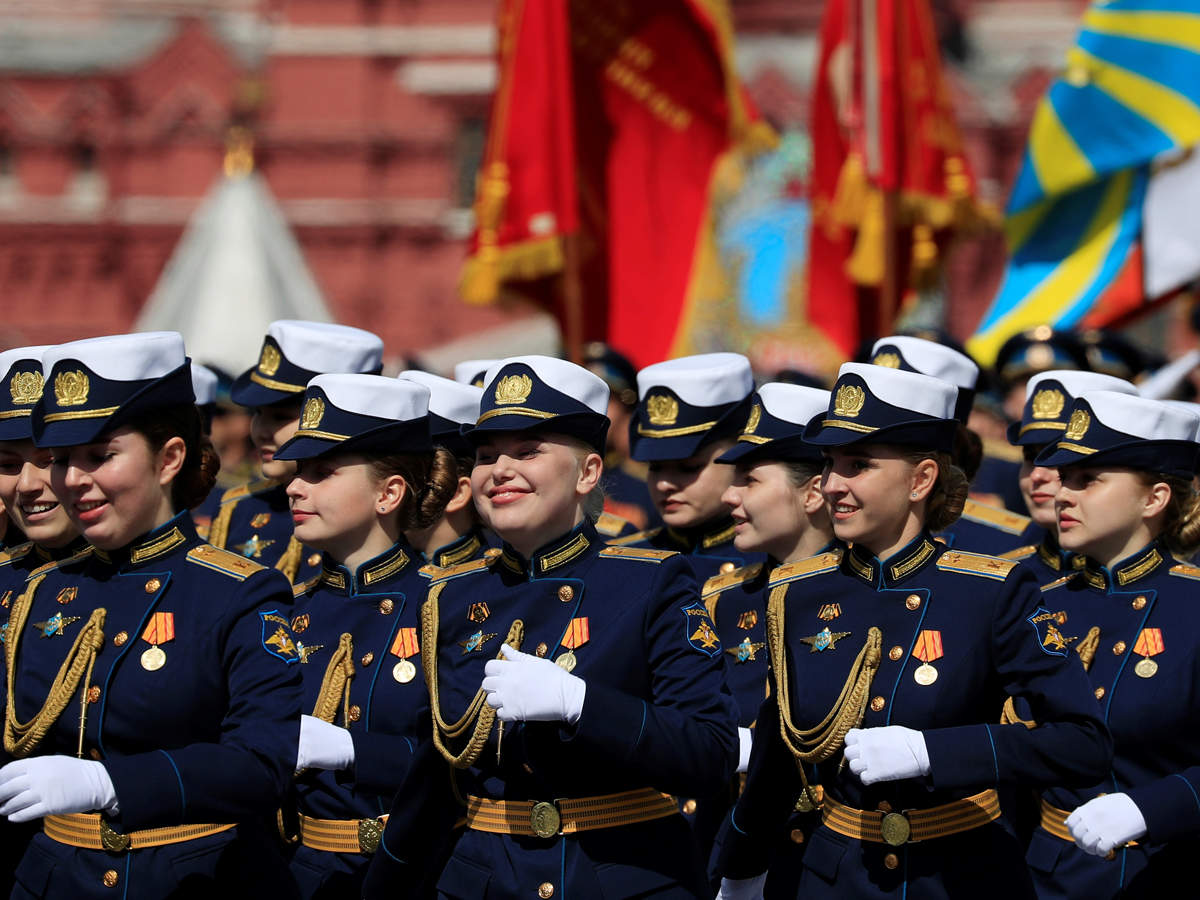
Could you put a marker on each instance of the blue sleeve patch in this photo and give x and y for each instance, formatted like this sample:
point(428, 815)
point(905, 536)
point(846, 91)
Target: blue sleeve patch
point(699, 631)
point(277, 637)
point(1045, 626)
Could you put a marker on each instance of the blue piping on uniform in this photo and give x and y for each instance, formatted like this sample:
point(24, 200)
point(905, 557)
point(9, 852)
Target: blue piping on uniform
point(384, 845)
point(182, 793)
point(995, 761)
point(562, 870)
point(733, 822)
point(1189, 787)
point(1125, 659)
point(916, 634)
point(641, 730)
point(128, 865)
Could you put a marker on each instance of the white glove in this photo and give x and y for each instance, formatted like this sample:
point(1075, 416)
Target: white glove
point(1105, 823)
point(323, 746)
point(54, 785)
point(525, 688)
point(745, 739)
point(890, 753)
point(742, 888)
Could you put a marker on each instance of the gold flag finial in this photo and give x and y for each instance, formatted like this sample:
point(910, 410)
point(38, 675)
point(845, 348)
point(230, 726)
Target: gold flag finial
point(239, 152)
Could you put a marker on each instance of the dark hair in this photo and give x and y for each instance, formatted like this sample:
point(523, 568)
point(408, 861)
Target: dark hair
point(968, 451)
point(802, 471)
point(432, 479)
point(201, 463)
point(949, 493)
point(1181, 524)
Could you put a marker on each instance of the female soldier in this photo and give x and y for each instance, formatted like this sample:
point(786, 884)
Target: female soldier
point(151, 700)
point(890, 656)
point(367, 472)
point(1126, 502)
point(253, 519)
point(689, 412)
point(455, 536)
point(602, 679)
point(1048, 400)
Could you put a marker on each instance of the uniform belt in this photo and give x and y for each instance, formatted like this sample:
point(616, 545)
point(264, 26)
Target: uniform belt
point(545, 819)
point(896, 829)
point(1054, 820)
point(90, 832)
point(342, 835)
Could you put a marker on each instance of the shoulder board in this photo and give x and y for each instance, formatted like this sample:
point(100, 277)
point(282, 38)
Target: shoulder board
point(232, 564)
point(1058, 582)
point(998, 449)
point(12, 554)
point(1183, 570)
point(976, 564)
point(610, 525)
point(428, 570)
point(1005, 520)
point(1019, 553)
point(60, 563)
point(806, 568)
point(636, 538)
point(245, 490)
point(467, 568)
point(643, 554)
point(719, 583)
point(303, 587)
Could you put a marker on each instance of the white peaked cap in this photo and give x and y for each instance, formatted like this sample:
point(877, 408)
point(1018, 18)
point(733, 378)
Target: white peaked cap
point(565, 377)
point(448, 399)
point(918, 393)
point(1150, 420)
point(325, 347)
point(708, 379)
point(1077, 383)
point(933, 359)
point(396, 399)
point(466, 370)
point(204, 384)
point(794, 403)
point(123, 357)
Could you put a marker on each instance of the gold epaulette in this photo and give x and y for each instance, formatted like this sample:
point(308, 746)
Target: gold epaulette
point(610, 525)
point(640, 553)
point(719, 583)
point(634, 538)
point(806, 568)
point(1183, 570)
point(1004, 519)
point(12, 554)
point(299, 590)
point(467, 568)
point(1058, 582)
point(998, 449)
point(232, 564)
point(1019, 553)
point(59, 563)
point(429, 570)
point(976, 564)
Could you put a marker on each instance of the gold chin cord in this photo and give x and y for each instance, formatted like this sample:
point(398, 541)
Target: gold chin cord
point(479, 717)
point(1087, 652)
point(819, 743)
point(22, 738)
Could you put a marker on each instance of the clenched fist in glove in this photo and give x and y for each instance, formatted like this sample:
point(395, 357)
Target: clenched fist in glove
point(525, 688)
point(890, 753)
point(54, 786)
point(1105, 823)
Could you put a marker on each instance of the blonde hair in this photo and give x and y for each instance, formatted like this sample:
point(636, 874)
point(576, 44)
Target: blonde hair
point(1181, 519)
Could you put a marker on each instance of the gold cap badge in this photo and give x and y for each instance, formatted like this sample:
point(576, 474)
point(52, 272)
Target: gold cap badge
point(514, 389)
point(849, 401)
point(661, 409)
point(71, 388)
point(887, 360)
point(1048, 404)
point(1078, 425)
point(26, 387)
point(314, 409)
point(268, 362)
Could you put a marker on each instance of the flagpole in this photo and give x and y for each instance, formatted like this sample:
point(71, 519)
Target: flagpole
point(572, 284)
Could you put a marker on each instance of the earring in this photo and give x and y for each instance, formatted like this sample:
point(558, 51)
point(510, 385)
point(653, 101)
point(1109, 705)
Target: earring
point(912, 496)
point(383, 509)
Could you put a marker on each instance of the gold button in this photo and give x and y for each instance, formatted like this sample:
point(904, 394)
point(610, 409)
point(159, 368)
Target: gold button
point(355, 713)
point(1099, 692)
point(94, 753)
point(1118, 648)
point(878, 703)
point(1139, 602)
point(120, 638)
point(110, 878)
point(884, 806)
point(368, 658)
point(566, 593)
point(314, 559)
point(727, 567)
point(892, 861)
point(797, 836)
point(689, 807)
point(545, 890)
point(153, 585)
point(895, 653)
point(542, 649)
point(93, 694)
point(912, 601)
point(386, 607)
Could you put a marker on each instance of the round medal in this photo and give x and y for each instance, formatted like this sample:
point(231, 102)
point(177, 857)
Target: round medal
point(154, 659)
point(566, 661)
point(1146, 668)
point(404, 671)
point(925, 674)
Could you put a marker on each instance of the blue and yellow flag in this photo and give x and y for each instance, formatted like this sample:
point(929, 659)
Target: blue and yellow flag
point(1130, 92)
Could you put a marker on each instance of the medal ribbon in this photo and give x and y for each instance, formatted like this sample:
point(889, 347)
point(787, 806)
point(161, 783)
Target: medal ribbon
point(577, 634)
point(160, 629)
point(929, 646)
point(405, 643)
point(1149, 642)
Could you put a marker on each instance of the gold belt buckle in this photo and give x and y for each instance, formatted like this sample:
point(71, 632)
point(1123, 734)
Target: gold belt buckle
point(113, 841)
point(370, 833)
point(895, 829)
point(545, 819)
